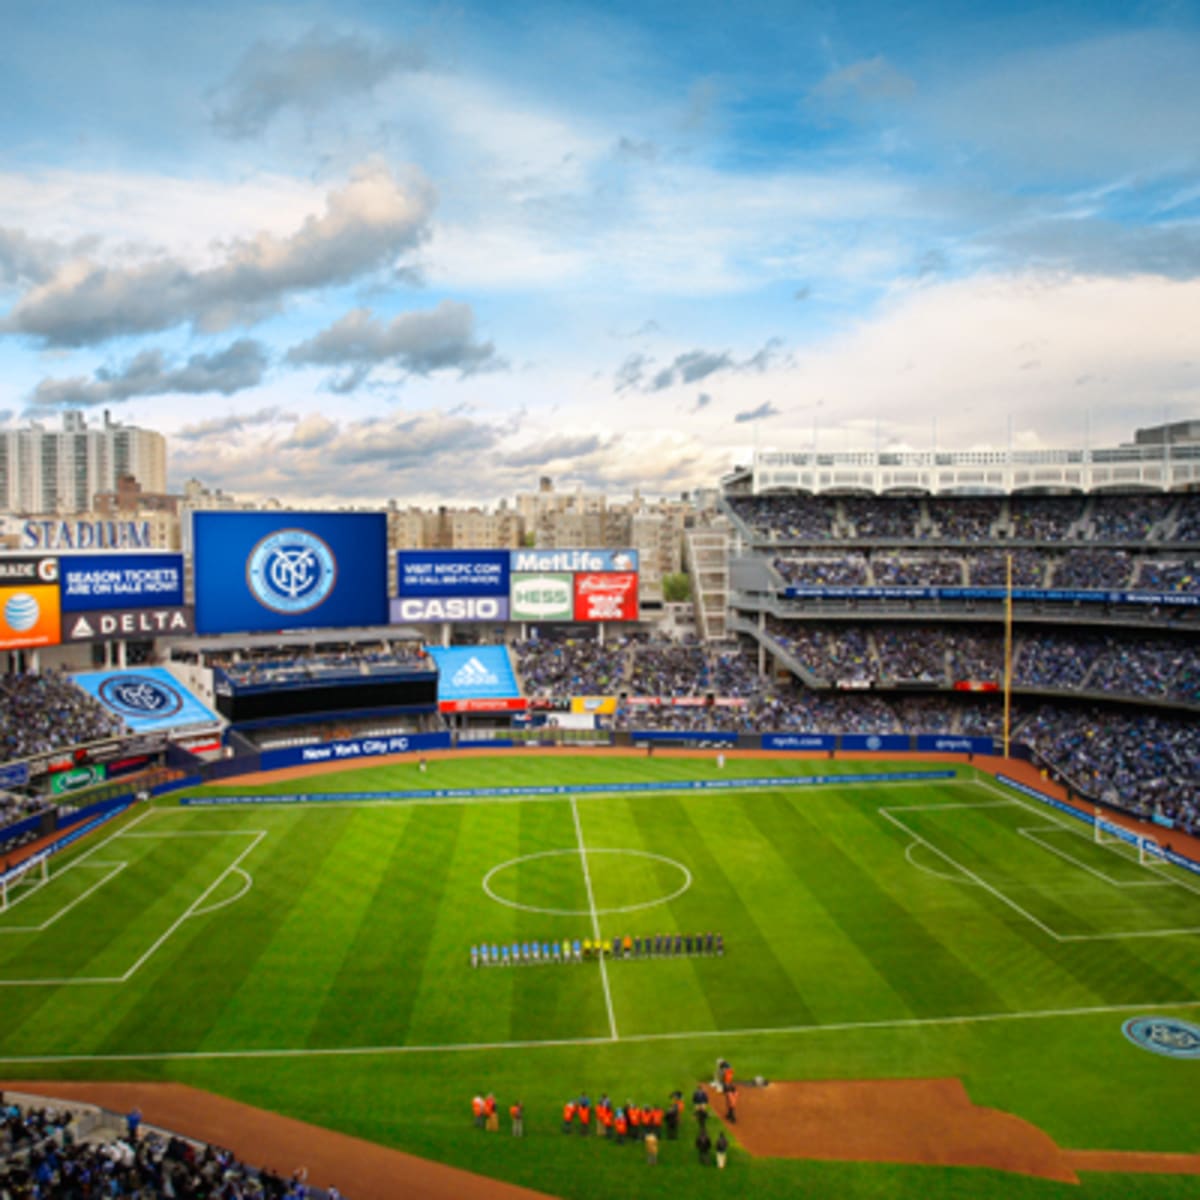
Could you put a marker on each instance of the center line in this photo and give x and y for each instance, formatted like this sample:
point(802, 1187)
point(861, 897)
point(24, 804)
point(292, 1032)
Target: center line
point(587, 879)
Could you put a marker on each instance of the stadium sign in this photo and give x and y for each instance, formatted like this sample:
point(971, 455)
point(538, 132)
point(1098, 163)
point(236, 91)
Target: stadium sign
point(120, 581)
point(146, 699)
point(544, 597)
point(449, 608)
point(538, 561)
point(452, 573)
point(28, 570)
point(117, 624)
point(86, 535)
point(77, 778)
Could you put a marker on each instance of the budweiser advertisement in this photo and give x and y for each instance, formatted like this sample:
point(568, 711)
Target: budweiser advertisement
point(606, 596)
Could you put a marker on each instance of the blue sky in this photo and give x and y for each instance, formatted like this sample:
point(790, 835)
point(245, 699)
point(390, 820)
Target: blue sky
point(432, 252)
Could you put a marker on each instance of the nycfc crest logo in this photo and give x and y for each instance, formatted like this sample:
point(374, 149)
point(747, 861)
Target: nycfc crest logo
point(1164, 1035)
point(138, 696)
point(291, 571)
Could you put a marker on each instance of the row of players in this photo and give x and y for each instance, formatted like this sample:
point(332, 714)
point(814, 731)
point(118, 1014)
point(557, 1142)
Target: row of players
point(661, 945)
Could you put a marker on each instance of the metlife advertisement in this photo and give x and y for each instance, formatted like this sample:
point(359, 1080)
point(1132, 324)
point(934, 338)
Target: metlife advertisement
point(113, 581)
point(265, 571)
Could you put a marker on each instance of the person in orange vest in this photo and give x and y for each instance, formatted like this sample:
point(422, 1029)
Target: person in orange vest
point(477, 1109)
point(604, 1114)
point(517, 1113)
point(568, 1115)
point(656, 1119)
point(628, 946)
point(635, 1120)
point(621, 1122)
point(492, 1123)
point(585, 1114)
point(726, 1076)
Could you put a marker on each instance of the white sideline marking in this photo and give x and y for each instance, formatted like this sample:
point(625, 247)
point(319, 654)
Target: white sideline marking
point(116, 869)
point(587, 879)
point(1047, 813)
point(1040, 811)
point(553, 1043)
point(983, 883)
point(1032, 832)
point(194, 909)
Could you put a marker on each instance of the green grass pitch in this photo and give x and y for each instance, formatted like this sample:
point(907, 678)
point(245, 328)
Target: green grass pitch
point(313, 959)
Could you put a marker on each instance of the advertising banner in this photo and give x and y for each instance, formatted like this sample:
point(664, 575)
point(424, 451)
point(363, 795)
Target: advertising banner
point(110, 581)
point(27, 569)
point(452, 573)
point(350, 749)
point(29, 616)
point(14, 775)
point(146, 699)
point(606, 596)
point(945, 743)
point(119, 624)
point(267, 571)
point(799, 741)
point(537, 562)
point(597, 705)
point(449, 608)
point(1050, 595)
point(547, 597)
point(876, 741)
point(469, 673)
point(77, 778)
point(484, 704)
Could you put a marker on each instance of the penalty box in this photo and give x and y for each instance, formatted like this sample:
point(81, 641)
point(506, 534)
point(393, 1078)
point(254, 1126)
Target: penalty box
point(101, 916)
point(1048, 868)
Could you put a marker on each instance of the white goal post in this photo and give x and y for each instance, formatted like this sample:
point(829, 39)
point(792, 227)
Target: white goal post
point(1106, 832)
point(35, 870)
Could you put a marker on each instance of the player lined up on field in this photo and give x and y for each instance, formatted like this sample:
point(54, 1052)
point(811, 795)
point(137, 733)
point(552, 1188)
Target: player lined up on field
point(659, 945)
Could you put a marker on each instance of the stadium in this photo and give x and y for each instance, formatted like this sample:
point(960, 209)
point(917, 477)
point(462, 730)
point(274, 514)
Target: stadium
point(898, 835)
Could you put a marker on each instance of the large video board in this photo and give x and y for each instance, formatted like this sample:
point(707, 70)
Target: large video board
point(264, 571)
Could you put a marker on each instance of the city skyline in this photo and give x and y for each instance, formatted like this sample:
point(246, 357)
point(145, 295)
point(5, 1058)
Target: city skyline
point(411, 252)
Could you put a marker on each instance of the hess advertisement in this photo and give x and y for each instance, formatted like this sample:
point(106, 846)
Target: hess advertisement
point(29, 617)
point(264, 571)
point(607, 596)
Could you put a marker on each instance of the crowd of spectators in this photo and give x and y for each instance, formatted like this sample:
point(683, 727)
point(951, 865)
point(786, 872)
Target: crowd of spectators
point(47, 1154)
point(570, 667)
point(848, 570)
point(1145, 762)
point(1140, 519)
point(47, 712)
point(1093, 569)
point(929, 570)
point(259, 667)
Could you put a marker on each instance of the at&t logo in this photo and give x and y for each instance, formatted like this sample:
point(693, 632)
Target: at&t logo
point(291, 571)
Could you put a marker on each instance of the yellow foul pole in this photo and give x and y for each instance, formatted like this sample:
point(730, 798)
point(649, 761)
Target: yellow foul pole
point(1008, 631)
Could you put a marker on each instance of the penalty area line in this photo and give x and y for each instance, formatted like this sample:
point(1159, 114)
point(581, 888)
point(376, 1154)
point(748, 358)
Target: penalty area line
point(899, 1023)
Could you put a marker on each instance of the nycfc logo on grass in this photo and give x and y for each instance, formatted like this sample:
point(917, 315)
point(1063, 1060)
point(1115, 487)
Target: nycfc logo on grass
point(1164, 1035)
point(137, 696)
point(291, 571)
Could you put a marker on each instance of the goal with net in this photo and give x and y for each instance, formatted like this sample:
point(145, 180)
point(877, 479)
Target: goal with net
point(31, 873)
point(1108, 833)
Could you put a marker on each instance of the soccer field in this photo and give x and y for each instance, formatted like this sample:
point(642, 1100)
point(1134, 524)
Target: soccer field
point(284, 953)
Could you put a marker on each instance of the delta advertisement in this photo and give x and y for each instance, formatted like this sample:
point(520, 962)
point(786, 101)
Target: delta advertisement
point(267, 571)
point(146, 699)
point(29, 617)
point(120, 581)
point(476, 679)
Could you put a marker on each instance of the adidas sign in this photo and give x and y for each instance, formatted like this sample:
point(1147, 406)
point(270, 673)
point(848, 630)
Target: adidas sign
point(474, 674)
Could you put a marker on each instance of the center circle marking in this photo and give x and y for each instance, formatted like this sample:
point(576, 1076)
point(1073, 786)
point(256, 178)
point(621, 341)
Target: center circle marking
point(586, 912)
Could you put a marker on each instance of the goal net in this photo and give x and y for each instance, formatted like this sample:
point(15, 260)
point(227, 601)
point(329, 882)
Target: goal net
point(30, 874)
point(1108, 833)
